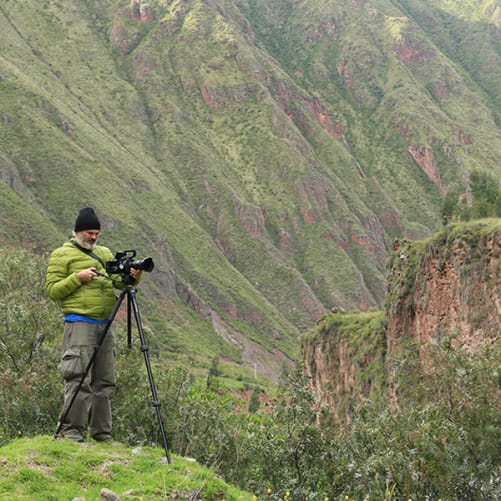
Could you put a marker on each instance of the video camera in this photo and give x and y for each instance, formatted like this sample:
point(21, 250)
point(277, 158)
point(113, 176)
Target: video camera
point(124, 261)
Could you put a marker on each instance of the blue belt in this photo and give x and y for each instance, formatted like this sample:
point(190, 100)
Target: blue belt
point(74, 317)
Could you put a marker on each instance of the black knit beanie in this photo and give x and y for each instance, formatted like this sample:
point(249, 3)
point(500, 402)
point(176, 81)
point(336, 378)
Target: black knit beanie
point(87, 220)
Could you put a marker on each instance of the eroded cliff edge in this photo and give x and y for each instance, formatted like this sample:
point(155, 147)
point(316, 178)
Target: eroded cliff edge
point(444, 290)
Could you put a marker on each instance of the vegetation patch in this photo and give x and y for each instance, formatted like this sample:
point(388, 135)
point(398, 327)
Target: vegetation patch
point(45, 468)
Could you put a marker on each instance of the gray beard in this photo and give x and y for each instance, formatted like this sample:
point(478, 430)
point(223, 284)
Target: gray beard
point(84, 244)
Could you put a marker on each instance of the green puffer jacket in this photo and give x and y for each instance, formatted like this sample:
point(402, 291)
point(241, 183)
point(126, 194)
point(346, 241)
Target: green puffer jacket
point(94, 299)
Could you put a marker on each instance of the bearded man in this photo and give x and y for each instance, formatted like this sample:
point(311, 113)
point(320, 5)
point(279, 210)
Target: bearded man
point(76, 279)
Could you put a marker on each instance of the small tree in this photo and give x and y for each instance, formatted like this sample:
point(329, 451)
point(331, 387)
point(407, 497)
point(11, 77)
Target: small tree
point(254, 402)
point(214, 371)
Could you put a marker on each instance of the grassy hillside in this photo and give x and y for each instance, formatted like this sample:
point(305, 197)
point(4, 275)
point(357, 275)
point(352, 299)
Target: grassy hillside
point(42, 468)
point(265, 154)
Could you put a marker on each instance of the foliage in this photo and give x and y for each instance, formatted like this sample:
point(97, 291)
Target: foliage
point(29, 324)
point(254, 402)
point(429, 444)
point(26, 316)
point(440, 439)
point(481, 199)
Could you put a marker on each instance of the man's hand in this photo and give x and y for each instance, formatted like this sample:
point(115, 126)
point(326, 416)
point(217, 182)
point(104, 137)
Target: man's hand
point(86, 275)
point(136, 274)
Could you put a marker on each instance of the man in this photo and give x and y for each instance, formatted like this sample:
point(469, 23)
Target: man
point(87, 299)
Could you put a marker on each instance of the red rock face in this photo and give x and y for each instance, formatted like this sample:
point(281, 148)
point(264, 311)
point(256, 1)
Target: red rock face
point(449, 290)
point(424, 158)
point(209, 97)
point(439, 90)
point(142, 66)
point(333, 363)
point(145, 13)
point(312, 110)
point(409, 52)
point(463, 137)
point(141, 11)
point(252, 219)
point(457, 293)
point(331, 373)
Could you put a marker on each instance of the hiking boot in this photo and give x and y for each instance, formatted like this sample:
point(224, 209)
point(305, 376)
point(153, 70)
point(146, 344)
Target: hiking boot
point(72, 434)
point(102, 437)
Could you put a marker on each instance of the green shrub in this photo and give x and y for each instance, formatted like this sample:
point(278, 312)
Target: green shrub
point(29, 326)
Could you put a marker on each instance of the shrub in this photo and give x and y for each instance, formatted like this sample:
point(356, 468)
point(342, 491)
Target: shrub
point(29, 325)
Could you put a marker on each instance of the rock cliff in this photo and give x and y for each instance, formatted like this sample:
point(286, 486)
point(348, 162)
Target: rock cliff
point(445, 290)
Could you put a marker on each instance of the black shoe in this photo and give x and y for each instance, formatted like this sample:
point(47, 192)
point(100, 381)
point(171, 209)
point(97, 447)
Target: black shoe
point(102, 437)
point(74, 435)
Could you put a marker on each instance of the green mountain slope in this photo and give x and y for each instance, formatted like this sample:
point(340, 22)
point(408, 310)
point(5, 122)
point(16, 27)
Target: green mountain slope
point(264, 153)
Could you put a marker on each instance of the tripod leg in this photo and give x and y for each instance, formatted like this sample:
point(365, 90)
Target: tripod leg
point(129, 323)
point(144, 349)
point(66, 411)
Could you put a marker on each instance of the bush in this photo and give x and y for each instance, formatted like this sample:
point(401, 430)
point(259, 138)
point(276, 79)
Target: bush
point(440, 440)
point(29, 325)
point(481, 199)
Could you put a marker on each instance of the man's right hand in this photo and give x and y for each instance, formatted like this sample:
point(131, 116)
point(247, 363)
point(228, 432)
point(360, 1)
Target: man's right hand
point(86, 275)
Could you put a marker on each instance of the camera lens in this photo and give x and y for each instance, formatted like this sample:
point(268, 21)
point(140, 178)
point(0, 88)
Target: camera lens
point(145, 264)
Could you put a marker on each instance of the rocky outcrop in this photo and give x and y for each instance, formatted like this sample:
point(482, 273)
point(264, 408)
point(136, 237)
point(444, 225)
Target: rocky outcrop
point(409, 52)
point(424, 158)
point(344, 359)
point(141, 11)
point(445, 290)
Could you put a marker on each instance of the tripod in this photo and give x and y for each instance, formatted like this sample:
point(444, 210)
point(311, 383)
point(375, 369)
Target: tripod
point(130, 292)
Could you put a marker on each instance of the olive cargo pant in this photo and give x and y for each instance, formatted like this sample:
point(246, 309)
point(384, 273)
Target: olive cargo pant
point(92, 404)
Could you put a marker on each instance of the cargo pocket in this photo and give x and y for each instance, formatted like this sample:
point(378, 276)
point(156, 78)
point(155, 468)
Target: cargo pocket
point(71, 364)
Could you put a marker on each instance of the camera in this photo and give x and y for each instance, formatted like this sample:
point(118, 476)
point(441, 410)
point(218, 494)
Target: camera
point(124, 261)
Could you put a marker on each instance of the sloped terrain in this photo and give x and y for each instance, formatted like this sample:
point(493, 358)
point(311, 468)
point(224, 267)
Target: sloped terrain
point(44, 468)
point(265, 154)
